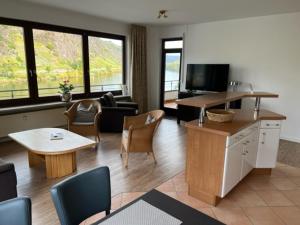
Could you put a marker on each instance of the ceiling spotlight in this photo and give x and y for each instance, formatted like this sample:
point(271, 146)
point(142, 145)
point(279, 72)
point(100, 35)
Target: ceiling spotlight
point(162, 14)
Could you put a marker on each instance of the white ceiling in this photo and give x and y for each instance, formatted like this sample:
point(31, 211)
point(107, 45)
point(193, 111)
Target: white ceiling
point(180, 11)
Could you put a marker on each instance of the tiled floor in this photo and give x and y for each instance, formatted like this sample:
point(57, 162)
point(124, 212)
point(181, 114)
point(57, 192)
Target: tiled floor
point(257, 200)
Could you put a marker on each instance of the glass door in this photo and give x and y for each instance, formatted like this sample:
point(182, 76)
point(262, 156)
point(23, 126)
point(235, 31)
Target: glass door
point(171, 74)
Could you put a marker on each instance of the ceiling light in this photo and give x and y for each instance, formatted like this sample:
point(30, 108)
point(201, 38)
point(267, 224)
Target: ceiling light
point(162, 14)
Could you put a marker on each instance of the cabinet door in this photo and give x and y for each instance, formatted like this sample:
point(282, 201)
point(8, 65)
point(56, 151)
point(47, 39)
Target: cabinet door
point(232, 167)
point(249, 154)
point(268, 148)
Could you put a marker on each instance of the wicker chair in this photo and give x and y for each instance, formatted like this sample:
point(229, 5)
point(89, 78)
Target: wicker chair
point(85, 128)
point(137, 135)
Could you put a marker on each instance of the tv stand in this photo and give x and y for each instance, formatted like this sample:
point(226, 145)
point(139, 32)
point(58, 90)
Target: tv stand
point(189, 113)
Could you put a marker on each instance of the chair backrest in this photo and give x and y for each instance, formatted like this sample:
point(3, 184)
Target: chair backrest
point(158, 115)
point(82, 196)
point(16, 211)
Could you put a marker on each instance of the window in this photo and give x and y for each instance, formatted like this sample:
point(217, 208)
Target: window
point(36, 57)
point(106, 64)
point(58, 57)
point(13, 71)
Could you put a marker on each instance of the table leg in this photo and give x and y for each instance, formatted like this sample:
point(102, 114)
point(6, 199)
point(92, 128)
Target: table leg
point(35, 159)
point(60, 165)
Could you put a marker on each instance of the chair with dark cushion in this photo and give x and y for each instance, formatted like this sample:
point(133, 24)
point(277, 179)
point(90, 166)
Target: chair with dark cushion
point(81, 196)
point(8, 181)
point(114, 109)
point(16, 211)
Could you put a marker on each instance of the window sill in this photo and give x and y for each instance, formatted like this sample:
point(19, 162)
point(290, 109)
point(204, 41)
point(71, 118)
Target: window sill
point(45, 106)
point(32, 108)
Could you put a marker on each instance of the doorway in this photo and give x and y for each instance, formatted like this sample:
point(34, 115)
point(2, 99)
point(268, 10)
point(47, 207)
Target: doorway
point(170, 74)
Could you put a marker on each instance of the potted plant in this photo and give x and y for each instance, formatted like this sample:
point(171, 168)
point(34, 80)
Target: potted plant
point(65, 90)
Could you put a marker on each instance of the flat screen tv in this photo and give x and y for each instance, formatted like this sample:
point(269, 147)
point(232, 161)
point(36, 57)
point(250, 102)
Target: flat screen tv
point(207, 77)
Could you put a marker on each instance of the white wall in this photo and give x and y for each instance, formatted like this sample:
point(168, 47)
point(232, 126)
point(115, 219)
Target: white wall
point(263, 50)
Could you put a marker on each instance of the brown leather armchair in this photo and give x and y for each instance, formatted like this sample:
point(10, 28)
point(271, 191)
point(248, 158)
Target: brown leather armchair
point(85, 128)
point(138, 135)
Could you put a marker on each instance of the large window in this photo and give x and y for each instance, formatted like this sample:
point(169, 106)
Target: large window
point(58, 57)
point(35, 58)
point(106, 67)
point(13, 72)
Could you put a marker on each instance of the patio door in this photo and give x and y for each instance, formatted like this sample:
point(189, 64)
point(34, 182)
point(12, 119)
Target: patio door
point(170, 74)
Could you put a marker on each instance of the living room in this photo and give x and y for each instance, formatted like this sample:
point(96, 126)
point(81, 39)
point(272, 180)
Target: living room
point(118, 57)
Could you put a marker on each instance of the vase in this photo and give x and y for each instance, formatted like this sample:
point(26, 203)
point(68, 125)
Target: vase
point(66, 97)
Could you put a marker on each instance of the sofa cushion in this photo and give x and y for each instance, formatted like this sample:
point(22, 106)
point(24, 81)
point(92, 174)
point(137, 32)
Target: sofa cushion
point(85, 114)
point(110, 100)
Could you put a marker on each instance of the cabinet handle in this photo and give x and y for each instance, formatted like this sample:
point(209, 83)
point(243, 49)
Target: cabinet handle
point(268, 124)
point(264, 137)
point(277, 124)
point(247, 152)
point(247, 142)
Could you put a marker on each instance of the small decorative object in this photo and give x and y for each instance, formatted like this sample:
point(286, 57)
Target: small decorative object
point(65, 90)
point(124, 90)
point(220, 115)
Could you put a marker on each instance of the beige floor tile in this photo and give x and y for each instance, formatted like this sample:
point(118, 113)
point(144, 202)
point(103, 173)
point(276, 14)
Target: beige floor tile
point(262, 216)
point(294, 196)
point(260, 183)
point(227, 203)
point(171, 194)
point(207, 211)
point(290, 215)
point(167, 187)
point(282, 183)
point(277, 173)
point(274, 198)
point(231, 216)
point(93, 219)
point(296, 180)
point(246, 199)
point(129, 197)
point(180, 183)
point(290, 171)
point(116, 202)
point(192, 202)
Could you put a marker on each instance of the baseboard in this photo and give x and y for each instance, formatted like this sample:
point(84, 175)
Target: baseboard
point(292, 139)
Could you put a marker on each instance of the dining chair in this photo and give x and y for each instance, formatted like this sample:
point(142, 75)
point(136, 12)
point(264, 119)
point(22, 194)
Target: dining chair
point(83, 195)
point(16, 211)
point(138, 133)
point(83, 118)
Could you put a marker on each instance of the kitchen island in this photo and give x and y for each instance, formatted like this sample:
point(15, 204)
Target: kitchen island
point(220, 155)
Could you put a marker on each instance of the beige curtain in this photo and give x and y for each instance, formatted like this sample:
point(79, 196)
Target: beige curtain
point(139, 66)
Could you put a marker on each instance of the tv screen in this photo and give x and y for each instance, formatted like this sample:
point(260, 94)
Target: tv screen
point(207, 77)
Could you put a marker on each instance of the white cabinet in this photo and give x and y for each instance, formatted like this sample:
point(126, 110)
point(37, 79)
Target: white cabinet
point(268, 144)
point(240, 157)
point(249, 153)
point(232, 169)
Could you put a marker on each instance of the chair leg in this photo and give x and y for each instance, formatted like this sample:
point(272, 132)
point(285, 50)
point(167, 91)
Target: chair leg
point(126, 160)
point(121, 150)
point(107, 212)
point(98, 137)
point(153, 157)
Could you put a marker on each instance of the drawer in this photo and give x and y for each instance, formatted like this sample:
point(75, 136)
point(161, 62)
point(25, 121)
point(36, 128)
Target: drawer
point(242, 134)
point(270, 124)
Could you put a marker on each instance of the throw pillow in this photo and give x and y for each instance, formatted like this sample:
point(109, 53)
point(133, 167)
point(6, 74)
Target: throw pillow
point(85, 113)
point(150, 119)
point(110, 100)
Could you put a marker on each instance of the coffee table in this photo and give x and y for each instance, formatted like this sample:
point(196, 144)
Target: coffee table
point(58, 155)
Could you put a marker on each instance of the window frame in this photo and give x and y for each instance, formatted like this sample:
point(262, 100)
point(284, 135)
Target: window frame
point(28, 27)
point(164, 51)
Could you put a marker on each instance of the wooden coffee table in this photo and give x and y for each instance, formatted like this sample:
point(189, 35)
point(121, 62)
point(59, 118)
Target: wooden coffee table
point(58, 155)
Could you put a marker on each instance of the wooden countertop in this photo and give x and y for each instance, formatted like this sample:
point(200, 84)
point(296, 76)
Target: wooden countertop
point(211, 100)
point(242, 119)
